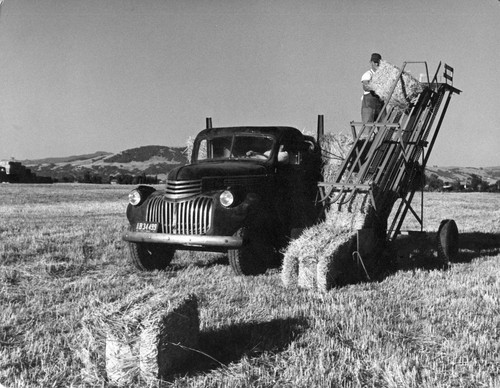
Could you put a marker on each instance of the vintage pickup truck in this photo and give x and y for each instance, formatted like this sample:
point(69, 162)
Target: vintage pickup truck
point(246, 192)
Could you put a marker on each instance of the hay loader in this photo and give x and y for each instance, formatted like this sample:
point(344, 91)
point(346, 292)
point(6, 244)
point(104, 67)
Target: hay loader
point(374, 188)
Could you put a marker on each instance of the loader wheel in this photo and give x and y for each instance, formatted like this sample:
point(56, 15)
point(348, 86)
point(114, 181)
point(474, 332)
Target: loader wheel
point(447, 241)
point(254, 257)
point(149, 256)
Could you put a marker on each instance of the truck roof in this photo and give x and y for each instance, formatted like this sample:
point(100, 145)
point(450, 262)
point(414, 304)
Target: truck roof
point(276, 131)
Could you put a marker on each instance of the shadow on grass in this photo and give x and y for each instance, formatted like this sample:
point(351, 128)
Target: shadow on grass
point(218, 348)
point(477, 244)
point(422, 254)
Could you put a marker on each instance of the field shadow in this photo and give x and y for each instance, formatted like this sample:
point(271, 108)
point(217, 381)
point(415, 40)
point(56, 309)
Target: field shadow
point(218, 348)
point(422, 254)
point(476, 244)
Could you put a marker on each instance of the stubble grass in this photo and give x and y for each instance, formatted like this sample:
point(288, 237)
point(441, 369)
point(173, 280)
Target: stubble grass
point(61, 255)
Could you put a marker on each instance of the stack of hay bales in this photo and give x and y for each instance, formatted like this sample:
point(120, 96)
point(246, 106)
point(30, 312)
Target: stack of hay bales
point(321, 258)
point(384, 79)
point(188, 151)
point(140, 339)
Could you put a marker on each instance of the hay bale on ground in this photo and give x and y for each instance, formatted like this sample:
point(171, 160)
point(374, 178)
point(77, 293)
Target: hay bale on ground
point(121, 359)
point(167, 339)
point(99, 343)
point(383, 80)
point(132, 340)
point(92, 348)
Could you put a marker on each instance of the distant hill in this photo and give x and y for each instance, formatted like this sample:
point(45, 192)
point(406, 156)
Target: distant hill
point(67, 159)
point(463, 174)
point(153, 160)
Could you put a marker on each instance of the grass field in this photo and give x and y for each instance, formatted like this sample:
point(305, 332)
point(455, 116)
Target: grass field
point(61, 255)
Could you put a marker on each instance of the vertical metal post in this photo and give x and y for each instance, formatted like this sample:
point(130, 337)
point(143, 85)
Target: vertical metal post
point(321, 127)
point(208, 122)
point(422, 187)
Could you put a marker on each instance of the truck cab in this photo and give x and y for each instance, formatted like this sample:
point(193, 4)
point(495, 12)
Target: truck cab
point(246, 192)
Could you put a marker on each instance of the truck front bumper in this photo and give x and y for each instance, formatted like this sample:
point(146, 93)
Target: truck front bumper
point(230, 242)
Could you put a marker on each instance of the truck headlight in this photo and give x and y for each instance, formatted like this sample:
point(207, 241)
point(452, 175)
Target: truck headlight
point(226, 198)
point(134, 197)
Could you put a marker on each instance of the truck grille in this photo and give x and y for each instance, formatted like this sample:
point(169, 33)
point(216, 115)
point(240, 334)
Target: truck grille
point(182, 189)
point(187, 217)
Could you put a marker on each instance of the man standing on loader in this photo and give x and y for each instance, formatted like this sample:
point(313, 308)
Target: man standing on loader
point(371, 104)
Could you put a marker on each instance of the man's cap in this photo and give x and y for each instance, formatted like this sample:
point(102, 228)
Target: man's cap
point(375, 58)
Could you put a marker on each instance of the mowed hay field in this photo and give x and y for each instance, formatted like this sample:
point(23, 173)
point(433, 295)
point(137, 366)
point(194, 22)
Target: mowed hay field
point(61, 255)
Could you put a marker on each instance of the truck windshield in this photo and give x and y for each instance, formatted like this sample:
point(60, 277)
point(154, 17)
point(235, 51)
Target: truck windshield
point(241, 146)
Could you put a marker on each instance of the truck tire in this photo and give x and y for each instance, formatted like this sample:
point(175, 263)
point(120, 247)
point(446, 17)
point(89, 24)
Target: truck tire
point(254, 257)
point(447, 241)
point(149, 256)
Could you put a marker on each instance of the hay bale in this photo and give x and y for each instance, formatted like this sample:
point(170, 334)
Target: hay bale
point(124, 342)
point(337, 268)
point(290, 267)
point(334, 149)
point(92, 347)
point(383, 80)
point(167, 339)
point(188, 151)
point(121, 359)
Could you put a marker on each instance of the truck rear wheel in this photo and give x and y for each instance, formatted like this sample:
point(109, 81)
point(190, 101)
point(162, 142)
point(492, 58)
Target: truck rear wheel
point(254, 257)
point(148, 256)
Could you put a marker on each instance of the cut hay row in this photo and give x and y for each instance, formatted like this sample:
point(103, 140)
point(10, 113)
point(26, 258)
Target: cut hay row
point(383, 80)
point(142, 338)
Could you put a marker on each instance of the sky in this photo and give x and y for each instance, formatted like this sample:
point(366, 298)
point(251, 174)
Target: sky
point(78, 77)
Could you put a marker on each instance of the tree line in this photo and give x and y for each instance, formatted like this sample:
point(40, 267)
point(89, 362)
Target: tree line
point(121, 179)
point(475, 183)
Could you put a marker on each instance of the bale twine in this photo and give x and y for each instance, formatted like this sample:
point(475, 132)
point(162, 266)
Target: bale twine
point(383, 80)
point(121, 341)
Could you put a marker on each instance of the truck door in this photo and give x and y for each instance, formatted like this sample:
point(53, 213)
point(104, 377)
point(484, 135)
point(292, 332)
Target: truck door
point(297, 184)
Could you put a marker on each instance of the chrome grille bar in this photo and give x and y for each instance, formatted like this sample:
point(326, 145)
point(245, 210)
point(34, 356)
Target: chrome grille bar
point(182, 189)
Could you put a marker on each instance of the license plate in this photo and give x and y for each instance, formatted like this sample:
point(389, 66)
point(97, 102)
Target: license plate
point(146, 227)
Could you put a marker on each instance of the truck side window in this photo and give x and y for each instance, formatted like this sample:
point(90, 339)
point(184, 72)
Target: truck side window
point(202, 150)
point(284, 156)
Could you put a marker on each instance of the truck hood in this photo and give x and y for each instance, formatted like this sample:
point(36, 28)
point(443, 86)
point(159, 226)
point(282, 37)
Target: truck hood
point(205, 170)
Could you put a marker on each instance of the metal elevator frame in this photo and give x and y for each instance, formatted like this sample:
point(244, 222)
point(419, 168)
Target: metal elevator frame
point(388, 156)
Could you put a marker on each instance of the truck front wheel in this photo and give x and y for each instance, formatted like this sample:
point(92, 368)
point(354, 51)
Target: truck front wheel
point(254, 257)
point(148, 256)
